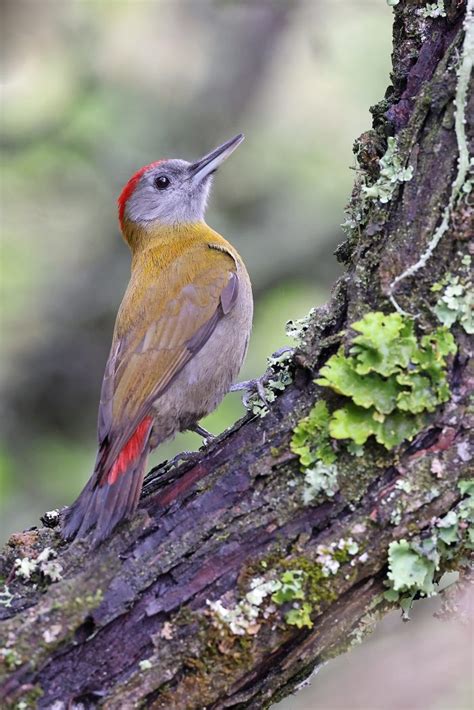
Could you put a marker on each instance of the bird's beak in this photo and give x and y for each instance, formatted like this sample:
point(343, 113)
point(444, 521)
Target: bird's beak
point(211, 161)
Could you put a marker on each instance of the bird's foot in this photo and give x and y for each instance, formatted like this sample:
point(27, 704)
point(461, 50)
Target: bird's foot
point(207, 437)
point(164, 472)
point(183, 457)
point(287, 350)
point(250, 388)
point(262, 390)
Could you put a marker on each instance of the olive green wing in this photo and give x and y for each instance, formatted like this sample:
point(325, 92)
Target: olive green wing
point(144, 363)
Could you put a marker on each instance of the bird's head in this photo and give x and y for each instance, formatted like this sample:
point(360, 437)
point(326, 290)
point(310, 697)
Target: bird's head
point(171, 192)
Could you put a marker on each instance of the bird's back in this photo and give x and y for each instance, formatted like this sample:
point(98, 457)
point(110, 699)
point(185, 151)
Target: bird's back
point(174, 291)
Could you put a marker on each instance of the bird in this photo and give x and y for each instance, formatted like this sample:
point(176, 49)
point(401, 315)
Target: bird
point(180, 336)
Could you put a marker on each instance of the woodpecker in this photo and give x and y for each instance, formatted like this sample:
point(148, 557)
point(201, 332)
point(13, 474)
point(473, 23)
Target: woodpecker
point(180, 336)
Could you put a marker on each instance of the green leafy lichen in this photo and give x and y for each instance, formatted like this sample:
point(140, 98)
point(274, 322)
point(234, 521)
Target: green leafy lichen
point(297, 587)
point(465, 511)
point(311, 442)
point(306, 583)
point(411, 569)
point(308, 586)
point(391, 378)
point(392, 173)
point(456, 304)
point(466, 486)
point(414, 565)
point(311, 439)
point(247, 616)
point(448, 528)
point(300, 616)
point(290, 587)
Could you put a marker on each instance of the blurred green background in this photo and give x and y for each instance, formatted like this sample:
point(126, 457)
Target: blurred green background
point(94, 89)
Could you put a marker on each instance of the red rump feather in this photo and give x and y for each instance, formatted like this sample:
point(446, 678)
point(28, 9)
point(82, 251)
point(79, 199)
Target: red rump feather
point(130, 187)
point(131, 451)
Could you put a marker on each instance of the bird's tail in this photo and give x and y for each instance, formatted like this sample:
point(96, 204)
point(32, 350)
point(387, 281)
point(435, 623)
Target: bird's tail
point(110, 495)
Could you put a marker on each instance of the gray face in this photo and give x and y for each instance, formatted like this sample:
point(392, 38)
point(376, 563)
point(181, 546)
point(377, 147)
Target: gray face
point(169, 194)
point(175, 191)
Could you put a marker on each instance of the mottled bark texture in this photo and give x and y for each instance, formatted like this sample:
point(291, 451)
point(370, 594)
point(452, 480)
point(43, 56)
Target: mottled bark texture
point(128, 624)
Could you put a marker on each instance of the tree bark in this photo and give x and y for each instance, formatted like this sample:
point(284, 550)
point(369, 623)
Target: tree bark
point(129, 624)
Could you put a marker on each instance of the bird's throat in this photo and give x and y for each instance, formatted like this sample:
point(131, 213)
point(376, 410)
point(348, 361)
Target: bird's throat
point(142, 237)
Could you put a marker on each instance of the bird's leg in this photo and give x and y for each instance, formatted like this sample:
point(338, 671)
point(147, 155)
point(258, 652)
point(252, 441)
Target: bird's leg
point(206, 435)
point(186, 457)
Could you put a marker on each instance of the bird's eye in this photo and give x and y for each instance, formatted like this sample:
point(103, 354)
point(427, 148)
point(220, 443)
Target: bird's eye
point(162, 182)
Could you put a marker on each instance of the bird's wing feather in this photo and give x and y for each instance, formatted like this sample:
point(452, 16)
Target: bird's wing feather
point(145, 360)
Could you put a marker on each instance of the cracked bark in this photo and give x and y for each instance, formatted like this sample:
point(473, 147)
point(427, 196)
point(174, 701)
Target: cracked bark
point(204, 527)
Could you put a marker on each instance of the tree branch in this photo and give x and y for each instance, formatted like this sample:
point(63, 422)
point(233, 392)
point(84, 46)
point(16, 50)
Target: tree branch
point(235, 579)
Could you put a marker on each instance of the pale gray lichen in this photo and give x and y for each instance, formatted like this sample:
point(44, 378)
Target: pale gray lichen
point(243, 618)
point(469, 182)
point(263, 599)
point(404, 485)
point(392, 173)
point(433, 9)
point(354, 220)
point(51, 634)
point(456, 304)
point(327, 554)
point(167, 631)
point(45, 565)
point(6, 597)
point(364, 628)
point(307, 681)
point(25, 567)
point(396, 515)
point(145, 665)
point(298, 328)
point(320, 478)
point(464, 159)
